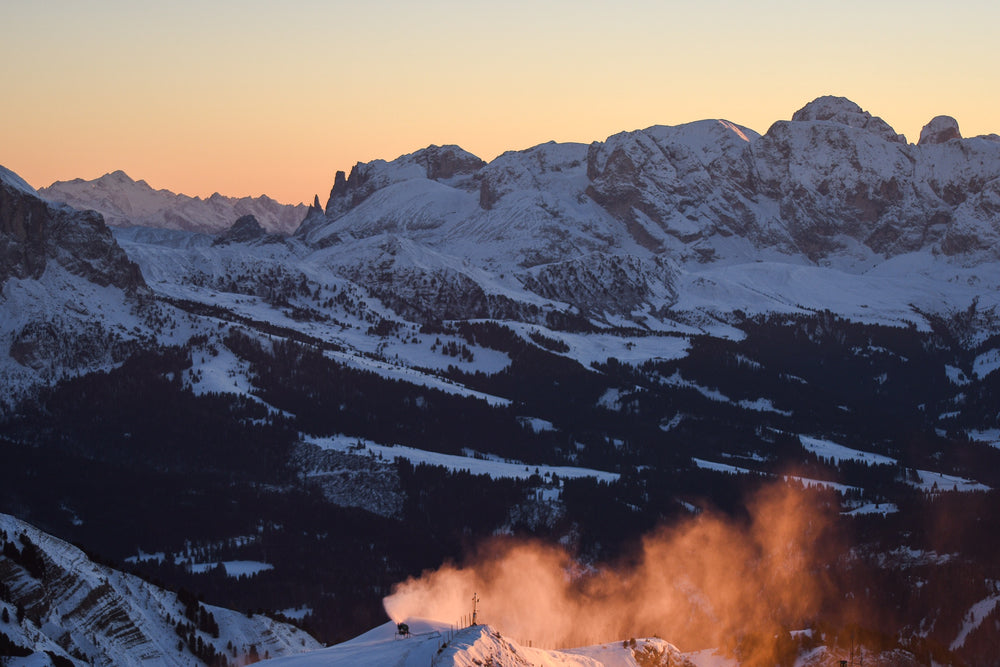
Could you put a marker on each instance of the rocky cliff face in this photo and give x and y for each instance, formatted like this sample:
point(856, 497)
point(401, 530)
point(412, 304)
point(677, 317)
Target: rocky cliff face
point(837, 173)
point(94, 615)
point(34, 232)
point(434, 163)
point(834, 184)
point(125, 202)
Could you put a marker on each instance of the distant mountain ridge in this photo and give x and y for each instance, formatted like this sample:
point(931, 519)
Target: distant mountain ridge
point(125, 202)
point(34, 232)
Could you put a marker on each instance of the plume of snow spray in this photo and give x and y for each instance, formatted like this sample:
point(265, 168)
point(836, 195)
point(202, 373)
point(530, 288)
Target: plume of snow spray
point(703, 582)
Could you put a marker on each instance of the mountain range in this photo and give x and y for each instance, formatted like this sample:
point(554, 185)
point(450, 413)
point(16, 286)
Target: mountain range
point(125, 202)
point(573, 342)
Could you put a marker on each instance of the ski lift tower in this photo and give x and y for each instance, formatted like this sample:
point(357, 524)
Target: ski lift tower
point(475, 607)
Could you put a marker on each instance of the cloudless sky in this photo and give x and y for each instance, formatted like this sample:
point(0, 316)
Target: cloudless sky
point(246, 97)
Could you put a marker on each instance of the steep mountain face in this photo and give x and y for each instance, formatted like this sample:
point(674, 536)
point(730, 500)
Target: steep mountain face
point(674, 186)
point(68, 292)
point(128, 203)
point(64, 604)
point(837, 173)
point(609, 227)
point(34, 232)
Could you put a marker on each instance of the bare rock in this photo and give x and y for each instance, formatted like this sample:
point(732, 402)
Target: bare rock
point(939, 130)
point(845, 112)
point(34, 232)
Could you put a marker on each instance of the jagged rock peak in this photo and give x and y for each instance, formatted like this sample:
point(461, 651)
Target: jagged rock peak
point(247, 225)
point(117, 177)
point(34, 232)
point(845, 112)
point(447, 161)
point(939, 130)
point(246, 229)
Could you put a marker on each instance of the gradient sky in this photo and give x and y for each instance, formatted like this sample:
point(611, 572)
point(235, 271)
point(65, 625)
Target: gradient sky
point(246, 97)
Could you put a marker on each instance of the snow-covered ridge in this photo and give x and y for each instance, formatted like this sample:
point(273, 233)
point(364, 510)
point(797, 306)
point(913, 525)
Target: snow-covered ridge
point(435, 643)
point(125, 202)
point(100, 616)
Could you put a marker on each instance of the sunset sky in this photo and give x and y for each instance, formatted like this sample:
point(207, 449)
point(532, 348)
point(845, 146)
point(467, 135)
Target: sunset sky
point(246, 97)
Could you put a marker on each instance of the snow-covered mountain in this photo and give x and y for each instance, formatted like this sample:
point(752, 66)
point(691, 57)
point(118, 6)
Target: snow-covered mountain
point(619, 226)
point(697, 304)
point(128, 203)
point(35, 232)
point(430, 642)
point(434, 643)
point(68, 292)
point(61, 603)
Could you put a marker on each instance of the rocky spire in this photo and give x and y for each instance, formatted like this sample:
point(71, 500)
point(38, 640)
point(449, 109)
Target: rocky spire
point(939, 130)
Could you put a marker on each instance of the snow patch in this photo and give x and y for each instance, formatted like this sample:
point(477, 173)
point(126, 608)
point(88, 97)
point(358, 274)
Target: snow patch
point(986, 363)
point(477, 466)
point(831, 450)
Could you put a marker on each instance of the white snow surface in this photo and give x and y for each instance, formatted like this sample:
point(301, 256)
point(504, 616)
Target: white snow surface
point(989, 436)
point(930, 482)
point(234, 568)
point(986, 363)
point(477, 466)
point(755, 405)
point(69, 305)
point(805, 481)
point(435, 643)
point(126, 202)
point(973, 618)
point(828, 449)
point(874, 508)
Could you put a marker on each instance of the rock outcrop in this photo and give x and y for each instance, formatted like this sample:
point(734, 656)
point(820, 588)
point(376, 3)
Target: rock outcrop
point(34, 232)
point(246, 230)
point(100, 616)
point(939, 130)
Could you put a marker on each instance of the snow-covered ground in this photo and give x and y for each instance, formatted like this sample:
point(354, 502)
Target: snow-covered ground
point(830, 450)
point(934, 481)
point(874, 508)
point(973, 618)
point(435, 643)
point(590, 348)
point(986, 363)
point(805, 481)
point(988, 436)
point(487, 465)
point(755, 405)
point(234, 568)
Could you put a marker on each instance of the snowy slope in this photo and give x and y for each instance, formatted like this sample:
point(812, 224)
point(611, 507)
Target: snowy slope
point(434, 643)
point(105, 617)
point(68, 293)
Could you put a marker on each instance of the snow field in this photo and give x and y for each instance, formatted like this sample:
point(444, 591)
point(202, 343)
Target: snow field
point(477, 466)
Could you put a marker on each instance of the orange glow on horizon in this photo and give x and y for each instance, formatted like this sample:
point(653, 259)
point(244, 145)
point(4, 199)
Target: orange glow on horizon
point(252, 98)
